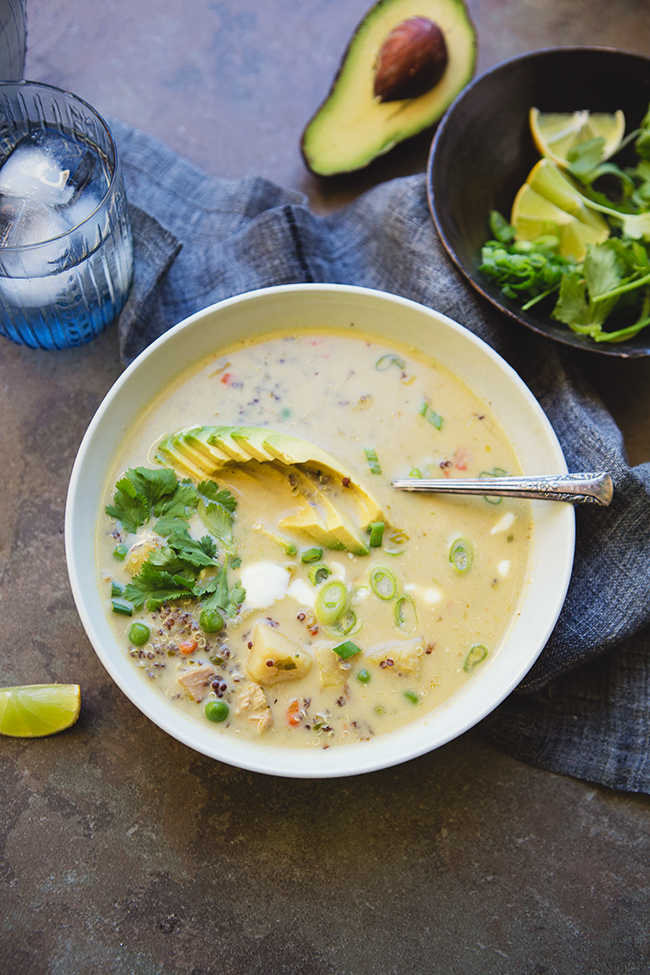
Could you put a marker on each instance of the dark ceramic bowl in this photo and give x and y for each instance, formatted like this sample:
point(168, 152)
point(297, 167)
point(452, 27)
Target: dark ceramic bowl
point(483, 152)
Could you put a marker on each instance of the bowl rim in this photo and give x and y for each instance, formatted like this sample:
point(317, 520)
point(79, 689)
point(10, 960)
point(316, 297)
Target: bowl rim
point(559, 334)
point(394, 747)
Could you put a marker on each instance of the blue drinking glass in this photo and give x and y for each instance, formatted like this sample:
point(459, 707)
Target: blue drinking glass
point(66, 253)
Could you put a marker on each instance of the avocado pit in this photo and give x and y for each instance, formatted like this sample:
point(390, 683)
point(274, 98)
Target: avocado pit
point(412, 59)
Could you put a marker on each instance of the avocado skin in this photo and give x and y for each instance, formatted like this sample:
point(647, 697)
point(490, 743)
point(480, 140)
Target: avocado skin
point(351, 107)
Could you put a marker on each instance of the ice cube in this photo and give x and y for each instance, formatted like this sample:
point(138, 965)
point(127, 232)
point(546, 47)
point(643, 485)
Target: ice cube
point(25, 222)
point(47, 167)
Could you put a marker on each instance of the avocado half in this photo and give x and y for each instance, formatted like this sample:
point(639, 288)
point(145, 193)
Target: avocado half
point(355, 124)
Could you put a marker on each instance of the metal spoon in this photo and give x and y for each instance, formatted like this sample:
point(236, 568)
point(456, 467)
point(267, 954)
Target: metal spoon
point(577, 488)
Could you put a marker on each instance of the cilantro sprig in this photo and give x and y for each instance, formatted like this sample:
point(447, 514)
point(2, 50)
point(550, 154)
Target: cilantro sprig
point(183, 567)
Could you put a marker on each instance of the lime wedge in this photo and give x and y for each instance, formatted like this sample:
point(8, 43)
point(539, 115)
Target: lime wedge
point(35, 710)
point(549, 203)
point(556, 133)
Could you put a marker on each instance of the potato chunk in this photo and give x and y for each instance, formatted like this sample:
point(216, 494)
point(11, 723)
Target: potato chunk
point(398, 656)
point(273, 658)
point(329, 664)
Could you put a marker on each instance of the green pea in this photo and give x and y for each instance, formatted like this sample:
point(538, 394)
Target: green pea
point(216, 711)
point(211, 620)
point(363, 676)
point(139, 634)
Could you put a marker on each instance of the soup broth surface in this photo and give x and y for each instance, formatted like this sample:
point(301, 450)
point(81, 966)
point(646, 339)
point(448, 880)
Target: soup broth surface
point(427, 607)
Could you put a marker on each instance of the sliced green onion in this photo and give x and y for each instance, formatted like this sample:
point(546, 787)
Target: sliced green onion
point(119, 552)
point(332, 601)
point(461, 555)
point(496, 472)
point(364, 676)
point(414, 472)
point(312, 555)
point(116, 589)
point(412, 697)
point(383, 582)
point(290, 549)
point(430, 414)
point(376, 532)
point(373, 460)
point(387, 361)
point(319, 573)
point(347, 649)
point(406, 615)
point(346, 625)
point(476, 656)
point(122, 606)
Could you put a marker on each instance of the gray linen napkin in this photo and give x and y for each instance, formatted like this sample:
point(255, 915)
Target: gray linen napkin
point(584, 708)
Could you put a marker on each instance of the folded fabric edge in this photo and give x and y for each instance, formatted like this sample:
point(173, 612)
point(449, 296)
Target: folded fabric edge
point(155, 249)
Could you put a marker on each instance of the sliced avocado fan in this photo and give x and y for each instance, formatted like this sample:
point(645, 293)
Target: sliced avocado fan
point(204, 451)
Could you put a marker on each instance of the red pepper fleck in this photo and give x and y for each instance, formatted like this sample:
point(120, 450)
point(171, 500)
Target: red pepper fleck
point(294, 716)
point(225, 379)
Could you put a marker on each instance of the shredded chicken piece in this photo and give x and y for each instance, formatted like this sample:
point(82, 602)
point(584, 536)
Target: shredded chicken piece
point(197, 681)
point(252, 701)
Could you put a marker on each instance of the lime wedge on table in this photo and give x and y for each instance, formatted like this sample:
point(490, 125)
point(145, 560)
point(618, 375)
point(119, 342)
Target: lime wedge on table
point(556, 133)
point(548, 203)
point(35, 710)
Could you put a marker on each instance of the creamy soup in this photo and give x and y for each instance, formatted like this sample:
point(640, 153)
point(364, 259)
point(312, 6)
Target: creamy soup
point(261, 571)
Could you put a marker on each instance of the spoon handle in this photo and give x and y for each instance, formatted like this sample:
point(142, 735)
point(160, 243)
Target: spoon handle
point(577, 488)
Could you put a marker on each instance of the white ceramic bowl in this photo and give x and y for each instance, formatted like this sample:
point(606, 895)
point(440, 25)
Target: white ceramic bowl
point(336, 306)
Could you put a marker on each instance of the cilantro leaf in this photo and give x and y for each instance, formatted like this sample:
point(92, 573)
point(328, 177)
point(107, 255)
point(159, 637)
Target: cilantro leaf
point(216, 508)
point(136, 494)
point(152, 587)
point(182, 502)
point(216, 594)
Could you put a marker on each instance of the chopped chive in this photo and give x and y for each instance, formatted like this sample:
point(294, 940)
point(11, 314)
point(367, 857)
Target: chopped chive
point(363, 676)
point(406, 616)
point(387, 361)
point(319, 573)
point(412, 697)
point(347, 649)
point(312, 555)
point(376, 532)
point(119, 552)
point(461, 555)
point(117, 589)
point(476, 656)
point(332, 601)
point(383, 582)
point(373, 460)
point(122, 606)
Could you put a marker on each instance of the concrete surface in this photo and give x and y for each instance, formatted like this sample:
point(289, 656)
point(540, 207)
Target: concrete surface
point(121, 851)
